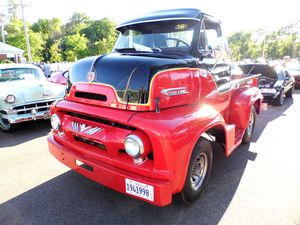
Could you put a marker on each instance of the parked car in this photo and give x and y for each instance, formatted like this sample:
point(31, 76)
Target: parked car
point(58, 78)
point(275, 83)
point(25, 95)
point(294, 70)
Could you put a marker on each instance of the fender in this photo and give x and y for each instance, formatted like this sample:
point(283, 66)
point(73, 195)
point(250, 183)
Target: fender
point(241, 105)
point(173, 133)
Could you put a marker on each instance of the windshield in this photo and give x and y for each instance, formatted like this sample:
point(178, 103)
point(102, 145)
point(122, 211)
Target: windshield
point(160, 36)
point(12, 74)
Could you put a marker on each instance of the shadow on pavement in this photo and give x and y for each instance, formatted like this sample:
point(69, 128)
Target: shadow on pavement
point(73, 199)
point(26, 132)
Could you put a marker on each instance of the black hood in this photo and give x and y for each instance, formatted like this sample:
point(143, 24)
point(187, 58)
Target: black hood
point(129, 74)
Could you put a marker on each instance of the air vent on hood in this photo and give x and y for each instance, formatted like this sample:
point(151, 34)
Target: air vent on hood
point(91, 96)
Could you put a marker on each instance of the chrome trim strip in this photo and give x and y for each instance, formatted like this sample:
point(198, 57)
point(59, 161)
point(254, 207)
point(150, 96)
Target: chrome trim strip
point(169, 92)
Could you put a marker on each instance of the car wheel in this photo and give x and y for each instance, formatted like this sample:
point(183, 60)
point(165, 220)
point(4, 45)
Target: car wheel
point(289, 93)
point(6, 126)
point(198, 171)
point(249, 131)
point(279, 99)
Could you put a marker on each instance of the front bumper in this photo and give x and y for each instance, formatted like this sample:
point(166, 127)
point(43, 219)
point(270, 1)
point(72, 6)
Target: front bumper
point(15, 118)
point(270, 97)
point(28, 111)
point(108, 175)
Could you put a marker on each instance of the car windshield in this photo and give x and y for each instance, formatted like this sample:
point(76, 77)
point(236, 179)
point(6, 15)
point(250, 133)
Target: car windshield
point(11, 74)
point(162, 36)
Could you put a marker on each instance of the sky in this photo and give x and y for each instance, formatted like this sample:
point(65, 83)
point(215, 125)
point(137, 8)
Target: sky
point(235, 15)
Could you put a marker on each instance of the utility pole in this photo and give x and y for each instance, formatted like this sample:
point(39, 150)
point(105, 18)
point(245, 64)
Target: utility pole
point(26, 33)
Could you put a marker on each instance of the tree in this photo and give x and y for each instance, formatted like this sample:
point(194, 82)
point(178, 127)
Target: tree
point(52, 32)
point(77, 22)
point(75, 47)
point(101, 35)
point(242, 45)
point(12, 8)
point(55, 52)
point(16, 37)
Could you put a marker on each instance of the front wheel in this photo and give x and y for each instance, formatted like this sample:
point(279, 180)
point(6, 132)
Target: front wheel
point(198, 172)
point(6, 126)
point(289, 93)
point(249, 131)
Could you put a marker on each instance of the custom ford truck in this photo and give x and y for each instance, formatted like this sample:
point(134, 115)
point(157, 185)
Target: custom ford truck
point(141, 119)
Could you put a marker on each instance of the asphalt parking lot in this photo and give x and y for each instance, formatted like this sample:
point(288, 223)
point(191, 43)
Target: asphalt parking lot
point(258, 184)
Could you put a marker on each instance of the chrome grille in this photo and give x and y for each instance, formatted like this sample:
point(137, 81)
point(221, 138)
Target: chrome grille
point(38, 107)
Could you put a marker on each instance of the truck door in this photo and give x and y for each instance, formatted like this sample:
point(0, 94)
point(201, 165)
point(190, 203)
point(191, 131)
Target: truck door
point(214, 58)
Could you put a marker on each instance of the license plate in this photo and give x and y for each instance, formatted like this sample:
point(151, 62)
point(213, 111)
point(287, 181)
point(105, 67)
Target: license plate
point(263, 90)
point(139, 189)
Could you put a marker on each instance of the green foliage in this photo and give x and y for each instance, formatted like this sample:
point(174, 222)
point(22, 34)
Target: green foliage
point(260, 43)
point(75, 46)
point(50, 40)
point(55, 52)
point(101, 35)
point(77, 22)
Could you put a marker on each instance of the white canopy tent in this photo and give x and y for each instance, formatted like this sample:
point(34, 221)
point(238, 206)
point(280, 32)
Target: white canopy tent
point(8, 51)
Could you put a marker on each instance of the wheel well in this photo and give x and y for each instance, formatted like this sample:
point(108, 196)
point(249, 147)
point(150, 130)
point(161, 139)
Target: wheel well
point(257, 106)
point(216, 134)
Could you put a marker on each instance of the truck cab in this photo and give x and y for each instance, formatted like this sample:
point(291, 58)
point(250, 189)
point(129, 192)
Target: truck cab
point(141, 119)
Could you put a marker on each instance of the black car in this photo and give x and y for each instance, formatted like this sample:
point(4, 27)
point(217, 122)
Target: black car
point(275, 83)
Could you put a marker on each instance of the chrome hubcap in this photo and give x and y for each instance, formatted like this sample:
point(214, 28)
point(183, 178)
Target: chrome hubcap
point(199, 171)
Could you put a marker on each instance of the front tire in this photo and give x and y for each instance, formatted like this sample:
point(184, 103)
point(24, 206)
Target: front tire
point(198, 171)
point(6, 126)
point(289, 93)
point(249, 131)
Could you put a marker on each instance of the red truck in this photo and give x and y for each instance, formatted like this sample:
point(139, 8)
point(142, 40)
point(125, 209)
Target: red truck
point(141, 119)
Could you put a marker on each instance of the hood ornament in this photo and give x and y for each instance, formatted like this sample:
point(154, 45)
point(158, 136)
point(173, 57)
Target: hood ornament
point(91, 76)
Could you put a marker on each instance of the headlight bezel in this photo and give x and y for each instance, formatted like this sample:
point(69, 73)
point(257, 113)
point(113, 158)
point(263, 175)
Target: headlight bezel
point(55, 122)
point(134, 140)
point(10, 99)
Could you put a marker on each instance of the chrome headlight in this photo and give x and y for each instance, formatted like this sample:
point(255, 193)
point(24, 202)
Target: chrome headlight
point(134, 146)
point(55, 122)
point(10, 99)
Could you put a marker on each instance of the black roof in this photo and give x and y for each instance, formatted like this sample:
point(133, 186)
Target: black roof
point(165, 15)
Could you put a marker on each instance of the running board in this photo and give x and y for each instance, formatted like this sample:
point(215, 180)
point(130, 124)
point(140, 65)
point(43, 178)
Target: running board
point(233, 138)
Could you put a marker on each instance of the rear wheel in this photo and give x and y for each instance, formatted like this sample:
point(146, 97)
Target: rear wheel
point(198, 172)
point(249, 131)
point(6, 126)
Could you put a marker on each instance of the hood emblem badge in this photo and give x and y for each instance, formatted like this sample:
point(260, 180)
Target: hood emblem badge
point(174, 91)
point(83, 128)
point(91, 76)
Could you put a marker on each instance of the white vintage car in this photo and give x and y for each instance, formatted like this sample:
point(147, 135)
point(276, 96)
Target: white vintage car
point(25, 95)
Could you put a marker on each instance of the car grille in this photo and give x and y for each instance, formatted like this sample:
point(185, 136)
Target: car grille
point(38, 107)
point(100, 120)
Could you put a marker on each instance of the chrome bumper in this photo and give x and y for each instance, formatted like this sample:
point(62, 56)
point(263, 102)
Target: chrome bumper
point(27, 112)
point(15, 118)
